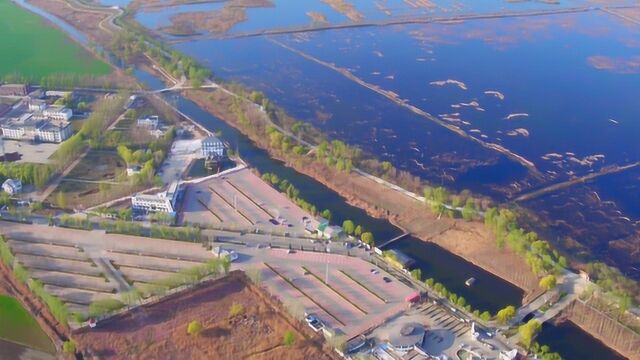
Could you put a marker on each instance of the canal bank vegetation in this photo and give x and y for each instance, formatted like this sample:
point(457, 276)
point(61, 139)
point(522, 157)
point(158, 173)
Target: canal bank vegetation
point(133, 43)
point(348, 226)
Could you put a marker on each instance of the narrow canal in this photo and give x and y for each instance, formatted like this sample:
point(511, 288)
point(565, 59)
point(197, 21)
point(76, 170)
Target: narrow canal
point(490, 293)
point(434, 261)
point(572, 343)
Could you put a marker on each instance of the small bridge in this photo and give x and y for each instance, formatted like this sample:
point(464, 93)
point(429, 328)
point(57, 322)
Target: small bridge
point(388, 242)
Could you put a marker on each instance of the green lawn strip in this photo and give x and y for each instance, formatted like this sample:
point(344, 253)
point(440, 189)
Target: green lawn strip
point(303, 293)
point(334, 290)
point(363, 286)
point(20, 327)
point(33, 48)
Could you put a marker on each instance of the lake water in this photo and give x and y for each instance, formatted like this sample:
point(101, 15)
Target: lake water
point(555, 73)
point(572, 343)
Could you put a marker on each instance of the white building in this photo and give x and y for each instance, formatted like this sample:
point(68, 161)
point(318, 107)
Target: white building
point(212, 147)
point(151, 122)
point(58, 113)
point(54, 131)
point(20, 128)
point(37, 105)
point(161, 202)
point(12, 187)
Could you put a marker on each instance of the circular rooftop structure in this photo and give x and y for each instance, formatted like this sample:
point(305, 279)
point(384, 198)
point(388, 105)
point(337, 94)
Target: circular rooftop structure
point(406, 336)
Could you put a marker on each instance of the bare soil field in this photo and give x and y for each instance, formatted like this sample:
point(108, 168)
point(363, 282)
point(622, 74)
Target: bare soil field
point(160, 330)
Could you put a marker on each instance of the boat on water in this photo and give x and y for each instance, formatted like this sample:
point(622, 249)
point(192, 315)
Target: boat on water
point(470, 281)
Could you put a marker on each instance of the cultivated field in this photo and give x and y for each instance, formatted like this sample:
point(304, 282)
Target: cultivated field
point(160, 330)
point(34, 49)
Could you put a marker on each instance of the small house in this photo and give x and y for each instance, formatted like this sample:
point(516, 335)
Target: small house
point(212, 147)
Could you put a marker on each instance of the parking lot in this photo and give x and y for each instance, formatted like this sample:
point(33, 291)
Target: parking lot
point(241, 200)
point(39, 153)
point(346, 293)
point(81, 267)
point(341, 291)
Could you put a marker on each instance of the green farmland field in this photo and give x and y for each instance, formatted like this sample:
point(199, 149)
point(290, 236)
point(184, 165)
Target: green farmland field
point(32, 48)
point(19, 326)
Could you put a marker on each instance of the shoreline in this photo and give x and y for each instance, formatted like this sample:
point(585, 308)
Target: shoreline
point(339, 183)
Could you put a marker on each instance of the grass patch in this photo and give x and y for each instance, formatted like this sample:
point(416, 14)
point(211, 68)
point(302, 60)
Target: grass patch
point(34, 49)
point(20, 327)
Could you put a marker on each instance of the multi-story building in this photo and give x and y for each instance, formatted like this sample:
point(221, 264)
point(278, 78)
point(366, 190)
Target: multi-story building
point(161, 202)
point(37, 105)
point(57, 113)
point(35, 120)
point(212, 147)
point(54, 131)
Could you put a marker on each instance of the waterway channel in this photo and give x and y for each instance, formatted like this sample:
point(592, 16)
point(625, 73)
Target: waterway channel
point(435, 261)
point(490, 293)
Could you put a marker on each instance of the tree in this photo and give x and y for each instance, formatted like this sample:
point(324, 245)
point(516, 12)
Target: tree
point(349, 227)
point(235, 309)
point(548, 282)
point(326, 213)
point(429, 282)
point(289, 338)
point(69, 347)
point(367, 238)
point(506, 314)
point(194, 328)
point(485, 316)
point(528, 332)
point(61, 199)
point(468, 210)
point(416, 274)
point(358, 231)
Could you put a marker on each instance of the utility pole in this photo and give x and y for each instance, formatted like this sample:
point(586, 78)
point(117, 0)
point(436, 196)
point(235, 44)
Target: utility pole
point(326, 276)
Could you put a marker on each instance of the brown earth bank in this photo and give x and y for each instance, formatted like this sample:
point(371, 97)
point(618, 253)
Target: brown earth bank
point(470, 240)
point(9, 285)
point(159, 330)
point(85, 21)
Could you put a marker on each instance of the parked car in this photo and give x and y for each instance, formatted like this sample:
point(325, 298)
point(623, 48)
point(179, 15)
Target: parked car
point(313, 322)
point(375, 272)
point(386, 279)
point(316, 325)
